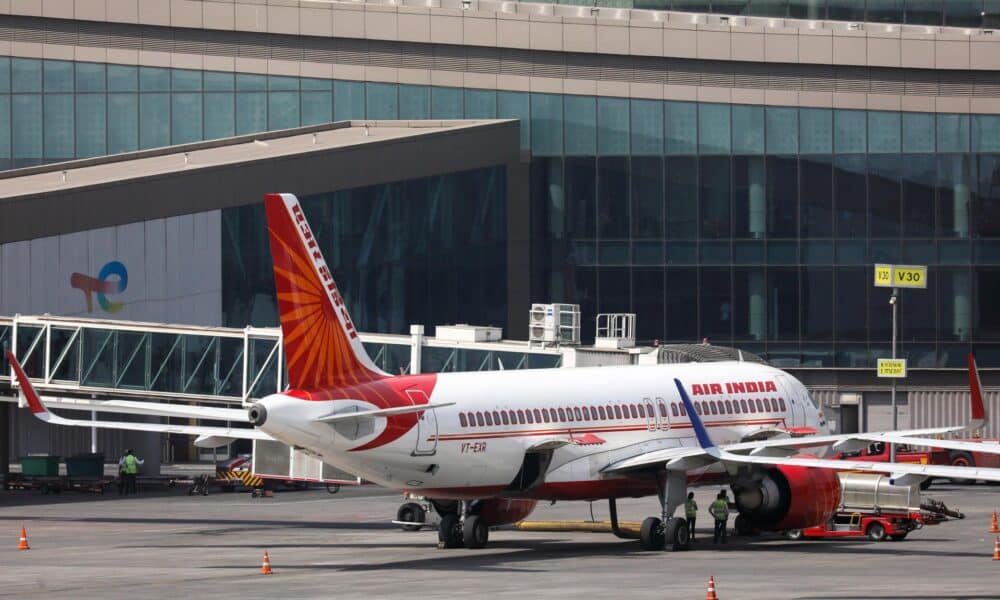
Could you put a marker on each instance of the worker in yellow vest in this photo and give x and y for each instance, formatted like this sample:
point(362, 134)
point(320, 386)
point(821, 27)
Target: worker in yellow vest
point(691, 513)
point(720, 512)
point(128, 467)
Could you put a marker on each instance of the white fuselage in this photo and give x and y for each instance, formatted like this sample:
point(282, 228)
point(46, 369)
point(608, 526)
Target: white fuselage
point(588, 418)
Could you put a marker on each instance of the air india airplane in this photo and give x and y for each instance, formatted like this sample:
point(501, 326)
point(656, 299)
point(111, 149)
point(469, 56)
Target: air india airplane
point(485, 447)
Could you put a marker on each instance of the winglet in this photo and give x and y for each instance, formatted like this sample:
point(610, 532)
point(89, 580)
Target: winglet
point(977, 407)
point(699, 428)
point(34, 402)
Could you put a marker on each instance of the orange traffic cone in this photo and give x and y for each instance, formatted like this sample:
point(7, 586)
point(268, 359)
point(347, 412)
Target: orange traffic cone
point(265, 569)
point(996, 549)
point(711, 589)
point(994, 527)
point(23, 544)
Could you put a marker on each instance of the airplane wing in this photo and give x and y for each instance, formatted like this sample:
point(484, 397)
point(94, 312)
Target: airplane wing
point(708, 453)
point(219, 435)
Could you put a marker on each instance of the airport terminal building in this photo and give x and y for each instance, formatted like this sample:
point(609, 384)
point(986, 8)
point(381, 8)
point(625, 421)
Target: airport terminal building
point(723, 170)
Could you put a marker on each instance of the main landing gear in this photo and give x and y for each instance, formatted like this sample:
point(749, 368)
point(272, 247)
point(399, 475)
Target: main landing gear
point(668, 532)
point(460, 527)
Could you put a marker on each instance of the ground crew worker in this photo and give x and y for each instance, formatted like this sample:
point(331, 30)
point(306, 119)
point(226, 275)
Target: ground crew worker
point(691, 512)
point(720, 512)
point(128, 466)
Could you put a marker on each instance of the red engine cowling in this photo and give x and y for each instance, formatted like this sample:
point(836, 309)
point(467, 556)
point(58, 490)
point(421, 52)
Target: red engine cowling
point(500, 511)
point(786, 497)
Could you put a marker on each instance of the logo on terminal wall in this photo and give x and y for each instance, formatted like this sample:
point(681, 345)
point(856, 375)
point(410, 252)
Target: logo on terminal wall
point(113, 279)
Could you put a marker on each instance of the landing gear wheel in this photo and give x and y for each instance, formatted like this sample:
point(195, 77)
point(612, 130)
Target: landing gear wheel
point(876, 532)
point(743, 526)
point(450, 531)
point(651, 534)
point(675, 535)
point(475, 533)
point(794, 534)
point(962, 459)
point(411, 512)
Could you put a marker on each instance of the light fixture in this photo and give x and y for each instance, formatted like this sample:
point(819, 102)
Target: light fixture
point(594, 11)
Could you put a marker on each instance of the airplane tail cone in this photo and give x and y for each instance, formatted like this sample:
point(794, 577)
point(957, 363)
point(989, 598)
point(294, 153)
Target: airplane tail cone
point(996, 549)
point(710, 595)
point(995, 527)
point(23, 543)
point(265, 568)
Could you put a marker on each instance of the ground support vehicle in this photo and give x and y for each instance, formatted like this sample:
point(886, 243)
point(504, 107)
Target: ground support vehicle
point(879, 452)
point(48, 484)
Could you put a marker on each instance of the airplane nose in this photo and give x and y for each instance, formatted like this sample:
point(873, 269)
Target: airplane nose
point(257, 414)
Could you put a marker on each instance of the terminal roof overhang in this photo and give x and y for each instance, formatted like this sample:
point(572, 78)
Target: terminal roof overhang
point(113, 190)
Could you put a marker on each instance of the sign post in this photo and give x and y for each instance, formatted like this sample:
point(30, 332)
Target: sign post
point(896, 277)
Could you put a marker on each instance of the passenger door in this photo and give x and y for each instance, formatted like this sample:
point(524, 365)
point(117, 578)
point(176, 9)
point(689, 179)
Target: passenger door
point(652, 419)
point(796, 407)
point(427, 426)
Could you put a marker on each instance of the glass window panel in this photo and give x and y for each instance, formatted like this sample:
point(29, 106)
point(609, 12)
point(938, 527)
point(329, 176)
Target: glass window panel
point(4, 74)
point(26, 127)
point(546, 124)
point(5, 152)
point(769, 8)
point(26, 75)
point(849, 196)
point(782, 253)
point(918, 132)
point(219, 82)
point(647, 197)
point(850, 131)
point(919, 174)
point(154, 79)
point(581, 125)
point(154, 120)
point(348, 100)
point(954, 303)
point(480, 104)
point(884, 193)
point(317, 107)
point(251, 83)
point(446, 103)
point(91, 125)
point(681, 127)
point(123, 129)
point(954, 195)
point(612, 198)
point(612, 126)
point(987, 320)
point(713, 196)
point(749, 212)
point(283, 110)
point(783, 304)
point(182, 80)
point(277, 83)
point(987, 217)
point(817, 253)
point(748, 129)
point(985, 133)
point(713, 129)
point(647, 127)
point(816, 191)
point(715, 303)
point(58, 127)
point(851, 253)
point(782, 197)
point(884, 132)
point(414, 102)
point(683, 322)
point(185, 118)
point(516, 105)
point(313, 84)
point(749, 253)
point(963, 13)
point(731, 7)
point(251, 112)
point(220, 115)
point(952, 133)
point(991, 18)
point(846, 10)
point(681, 198)
point(782, 126)
point(954, 252)
point(123, 78)
point(924, 12)
point(90, 77)
point(58, 76)
point(382, 101)
point(647, 303)
point(885, 11)
point(581, 201)
point(807, 9)
point(715, 253)
point(851, 304)
point(815, 131)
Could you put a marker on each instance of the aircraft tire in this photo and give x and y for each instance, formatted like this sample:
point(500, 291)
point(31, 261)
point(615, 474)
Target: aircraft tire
point(475, 533)
point(413, 513)
point(962, 459)
point(450, 531)
point(651, 534)
point(676, 535)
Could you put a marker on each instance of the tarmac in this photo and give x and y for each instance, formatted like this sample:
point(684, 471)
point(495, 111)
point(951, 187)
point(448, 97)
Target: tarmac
point(169, 545)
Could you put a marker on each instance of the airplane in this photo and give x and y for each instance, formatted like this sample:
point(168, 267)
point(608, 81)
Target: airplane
point(485, 447)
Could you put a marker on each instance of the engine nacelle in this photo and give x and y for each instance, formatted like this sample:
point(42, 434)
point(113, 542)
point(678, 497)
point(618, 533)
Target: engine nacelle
point(787, 497)
point(501, 511)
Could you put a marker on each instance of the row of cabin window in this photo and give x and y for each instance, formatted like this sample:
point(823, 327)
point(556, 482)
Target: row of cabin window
point(600, 413)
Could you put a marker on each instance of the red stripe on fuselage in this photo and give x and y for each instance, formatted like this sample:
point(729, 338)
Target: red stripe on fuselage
point(598, 429)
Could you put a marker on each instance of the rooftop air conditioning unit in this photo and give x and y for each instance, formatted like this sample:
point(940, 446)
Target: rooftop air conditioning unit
point(554, 324)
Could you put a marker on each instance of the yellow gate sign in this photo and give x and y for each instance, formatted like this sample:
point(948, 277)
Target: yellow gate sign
point(892, 367)
point(901, 276)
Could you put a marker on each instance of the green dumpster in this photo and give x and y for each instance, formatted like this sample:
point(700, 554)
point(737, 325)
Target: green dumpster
point(85, 465)
point(40, 465)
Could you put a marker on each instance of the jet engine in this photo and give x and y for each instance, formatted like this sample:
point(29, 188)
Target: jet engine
point(786, 497)
point(501, 511)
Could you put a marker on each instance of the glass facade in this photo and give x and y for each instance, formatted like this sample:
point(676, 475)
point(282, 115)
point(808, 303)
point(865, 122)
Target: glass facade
point(750, 225)
point(428, 251)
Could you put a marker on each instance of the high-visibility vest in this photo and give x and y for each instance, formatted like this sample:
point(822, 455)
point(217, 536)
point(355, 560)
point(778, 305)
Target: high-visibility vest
point(691, 509)
point(720, 509)
point(131, 465)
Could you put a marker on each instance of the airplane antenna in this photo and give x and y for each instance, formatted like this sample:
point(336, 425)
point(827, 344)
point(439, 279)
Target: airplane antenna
point(740, 353)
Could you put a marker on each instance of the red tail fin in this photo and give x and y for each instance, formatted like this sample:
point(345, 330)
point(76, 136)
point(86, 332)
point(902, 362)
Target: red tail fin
point(977, 408)
point(321, 345)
